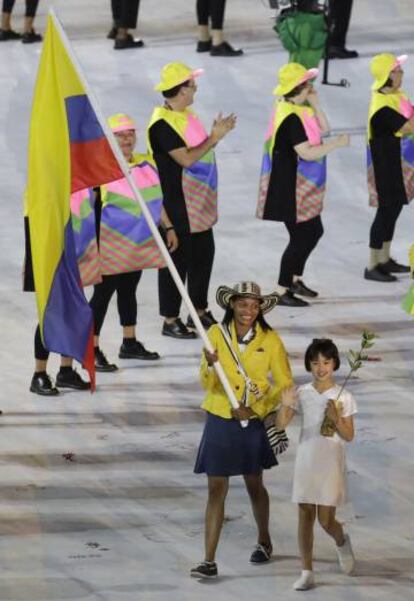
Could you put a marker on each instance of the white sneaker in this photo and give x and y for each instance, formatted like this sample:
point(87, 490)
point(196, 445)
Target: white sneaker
point(305, 582)
point(346, 556)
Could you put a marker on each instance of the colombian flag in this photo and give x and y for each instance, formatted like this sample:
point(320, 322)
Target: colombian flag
point(68, 151)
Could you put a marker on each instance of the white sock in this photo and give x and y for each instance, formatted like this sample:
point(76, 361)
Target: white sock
point(385, 252)
point(281, 290)
point(374, 257)
point(305, 582)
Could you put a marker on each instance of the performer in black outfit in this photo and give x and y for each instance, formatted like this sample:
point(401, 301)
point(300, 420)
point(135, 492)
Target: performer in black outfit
point(125, 17)
point(210, 18)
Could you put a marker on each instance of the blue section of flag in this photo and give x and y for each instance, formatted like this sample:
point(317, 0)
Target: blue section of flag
point(82, 121)
point(67, 332)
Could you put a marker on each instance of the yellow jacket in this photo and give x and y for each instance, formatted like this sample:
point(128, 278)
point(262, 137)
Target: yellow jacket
point(265, 355)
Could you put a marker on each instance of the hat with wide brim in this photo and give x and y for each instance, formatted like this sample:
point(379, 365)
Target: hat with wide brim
point(121, 122)
point(382, 65)
point(224, 295)
point(173, 74)
point(291, 76)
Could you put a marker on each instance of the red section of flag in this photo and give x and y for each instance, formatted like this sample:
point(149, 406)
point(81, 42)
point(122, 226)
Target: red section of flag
point(92, 163)
point(88, 362)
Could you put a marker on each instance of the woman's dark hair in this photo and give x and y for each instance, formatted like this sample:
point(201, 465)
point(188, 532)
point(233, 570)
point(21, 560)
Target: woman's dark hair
point(387, 84)
point(229, 315)
point(174, 91)
point(324, 347)
point(296, 90)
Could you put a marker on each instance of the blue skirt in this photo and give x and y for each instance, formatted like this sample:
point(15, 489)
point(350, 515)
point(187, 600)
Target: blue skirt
point(227, 449)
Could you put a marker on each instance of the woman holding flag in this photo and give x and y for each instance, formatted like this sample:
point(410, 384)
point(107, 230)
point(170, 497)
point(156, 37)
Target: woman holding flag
point(226, 448)
point(293, 175)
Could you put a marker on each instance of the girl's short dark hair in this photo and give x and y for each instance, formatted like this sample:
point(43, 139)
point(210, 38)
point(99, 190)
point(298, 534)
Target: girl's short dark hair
point(172, 92)
point(324, 347)
point(229, 315)
point(296, 90)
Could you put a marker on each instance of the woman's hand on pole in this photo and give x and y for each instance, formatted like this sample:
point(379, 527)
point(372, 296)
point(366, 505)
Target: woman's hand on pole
point(211, 358)
point(242, 413)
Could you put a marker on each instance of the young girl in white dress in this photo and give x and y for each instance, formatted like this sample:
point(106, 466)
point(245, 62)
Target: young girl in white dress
point(319, 484)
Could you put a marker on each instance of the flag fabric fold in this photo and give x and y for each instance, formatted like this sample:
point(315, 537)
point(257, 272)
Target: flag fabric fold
point(68, 152)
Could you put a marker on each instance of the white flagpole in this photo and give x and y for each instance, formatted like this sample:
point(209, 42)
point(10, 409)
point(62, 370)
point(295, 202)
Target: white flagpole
point(153, 227)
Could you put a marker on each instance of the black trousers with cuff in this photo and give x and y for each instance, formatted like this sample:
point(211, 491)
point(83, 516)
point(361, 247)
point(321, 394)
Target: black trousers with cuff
point(31, 7)
point(125, 286)
point(125, 13)
point(194, 262)
point(211, 11)
point(304, 237)
point(383, 226)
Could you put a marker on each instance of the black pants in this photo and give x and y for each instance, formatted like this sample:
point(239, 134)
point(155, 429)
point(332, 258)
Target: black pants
point(40, 353)
point(194, 261)
point(125, 13)
point(213, 10)
point(383, 226)
point(31, 7)
point(304, 237)
point(341, 16)
point(125, 285)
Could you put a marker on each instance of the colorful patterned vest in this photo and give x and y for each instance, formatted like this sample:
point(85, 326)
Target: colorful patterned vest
point(398, 102)
point(200, 180)
point(125, 240)
point(311, 175)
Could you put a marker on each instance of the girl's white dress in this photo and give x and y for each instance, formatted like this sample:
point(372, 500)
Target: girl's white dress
point(320, 467)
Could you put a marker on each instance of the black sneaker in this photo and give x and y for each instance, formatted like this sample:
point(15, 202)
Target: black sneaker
point(71, 379)
point(392, 266)
point(204, 46)
point(9, 34)
point(378, 274)
point(288, 299)
point(102, 363)
point(225, 49)
point(42, 384)
point(128, 42)
point(300, 288)
point(31, 37)
point(261, 553)
point(341, 52)
point(137, 350)
point(177, 329)
point(205, 569)
point(206, 319)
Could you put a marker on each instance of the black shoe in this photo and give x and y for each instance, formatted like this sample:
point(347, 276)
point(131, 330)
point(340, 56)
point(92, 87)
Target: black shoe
point(205, 569)
point(378, 274)
point(300, 288)
point(206, 319)
point(177, 329)
point(71, 379)
point(341, 52)
point(112, 33)
point(128, 42)
point(261, 553)
point(42, 384)
point(392, 266)
point(102, 363)
point(9, 34)
point(137, 350)
point(288, 299)
point(31, 37)
point(225, 49)
point(204, 46)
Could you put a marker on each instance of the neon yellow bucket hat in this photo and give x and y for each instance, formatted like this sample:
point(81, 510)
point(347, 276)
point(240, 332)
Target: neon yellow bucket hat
point(121, 122)
point(292, 75)
point(173, 74)
point(382, 65)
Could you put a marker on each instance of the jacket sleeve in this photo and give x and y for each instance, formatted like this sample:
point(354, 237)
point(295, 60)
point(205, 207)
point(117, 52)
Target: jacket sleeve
point(208, 375)
point(280, 368)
